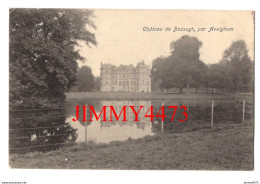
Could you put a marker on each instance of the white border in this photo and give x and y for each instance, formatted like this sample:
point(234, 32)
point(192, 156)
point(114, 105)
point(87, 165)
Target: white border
point(87, 176)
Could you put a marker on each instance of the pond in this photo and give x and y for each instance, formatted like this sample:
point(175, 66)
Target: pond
point(100, 131)
point(45, 130)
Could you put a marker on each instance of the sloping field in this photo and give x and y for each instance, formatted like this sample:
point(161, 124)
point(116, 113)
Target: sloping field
point(224, 147)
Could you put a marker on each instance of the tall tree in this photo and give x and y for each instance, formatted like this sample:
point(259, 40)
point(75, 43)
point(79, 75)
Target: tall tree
point(43, 59)
point(85, 79)
point(239, 67)
point(157, 73)
point(183, 67)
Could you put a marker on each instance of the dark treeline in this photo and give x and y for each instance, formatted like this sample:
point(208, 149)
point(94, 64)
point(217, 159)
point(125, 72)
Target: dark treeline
point(184, 69)
point(86, 81)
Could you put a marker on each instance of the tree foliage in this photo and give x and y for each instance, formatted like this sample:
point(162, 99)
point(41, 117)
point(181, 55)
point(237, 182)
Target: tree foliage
point(183, 67)
point(217, 77)
point(234, 73)
point(85, 79)
point(239, 67)
point(42, 53)
point(97, 83)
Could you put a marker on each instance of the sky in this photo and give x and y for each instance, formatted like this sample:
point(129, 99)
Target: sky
point(121, 39)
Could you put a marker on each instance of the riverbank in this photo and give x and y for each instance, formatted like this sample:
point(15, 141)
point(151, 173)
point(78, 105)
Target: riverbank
point(224, 147)
point(149, 96)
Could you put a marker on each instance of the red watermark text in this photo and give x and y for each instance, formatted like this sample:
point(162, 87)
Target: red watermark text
point(113, 115)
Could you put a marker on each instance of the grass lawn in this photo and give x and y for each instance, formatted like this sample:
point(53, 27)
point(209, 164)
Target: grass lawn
point(224, 147)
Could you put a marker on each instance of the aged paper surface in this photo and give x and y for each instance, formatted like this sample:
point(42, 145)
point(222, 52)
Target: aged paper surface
point(190, 72)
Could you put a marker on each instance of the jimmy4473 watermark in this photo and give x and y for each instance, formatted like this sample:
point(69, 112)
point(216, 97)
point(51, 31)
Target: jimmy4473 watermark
point(149, 114)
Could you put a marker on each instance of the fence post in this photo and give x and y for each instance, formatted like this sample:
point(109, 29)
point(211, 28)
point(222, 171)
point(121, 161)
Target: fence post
point(212, 113)
point(162, 120)
point(244, 108)
point(86, 128)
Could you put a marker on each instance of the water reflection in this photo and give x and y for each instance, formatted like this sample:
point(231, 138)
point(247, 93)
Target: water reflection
point(100, 131)
point(50, 129)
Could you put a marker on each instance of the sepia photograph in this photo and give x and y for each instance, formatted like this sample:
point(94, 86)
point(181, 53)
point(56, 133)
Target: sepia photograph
point(128, 89)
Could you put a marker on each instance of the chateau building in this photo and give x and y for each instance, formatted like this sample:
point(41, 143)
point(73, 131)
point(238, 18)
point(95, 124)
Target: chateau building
point(126, 77)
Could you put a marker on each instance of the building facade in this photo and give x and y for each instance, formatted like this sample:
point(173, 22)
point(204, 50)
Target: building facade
point(126, 77)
